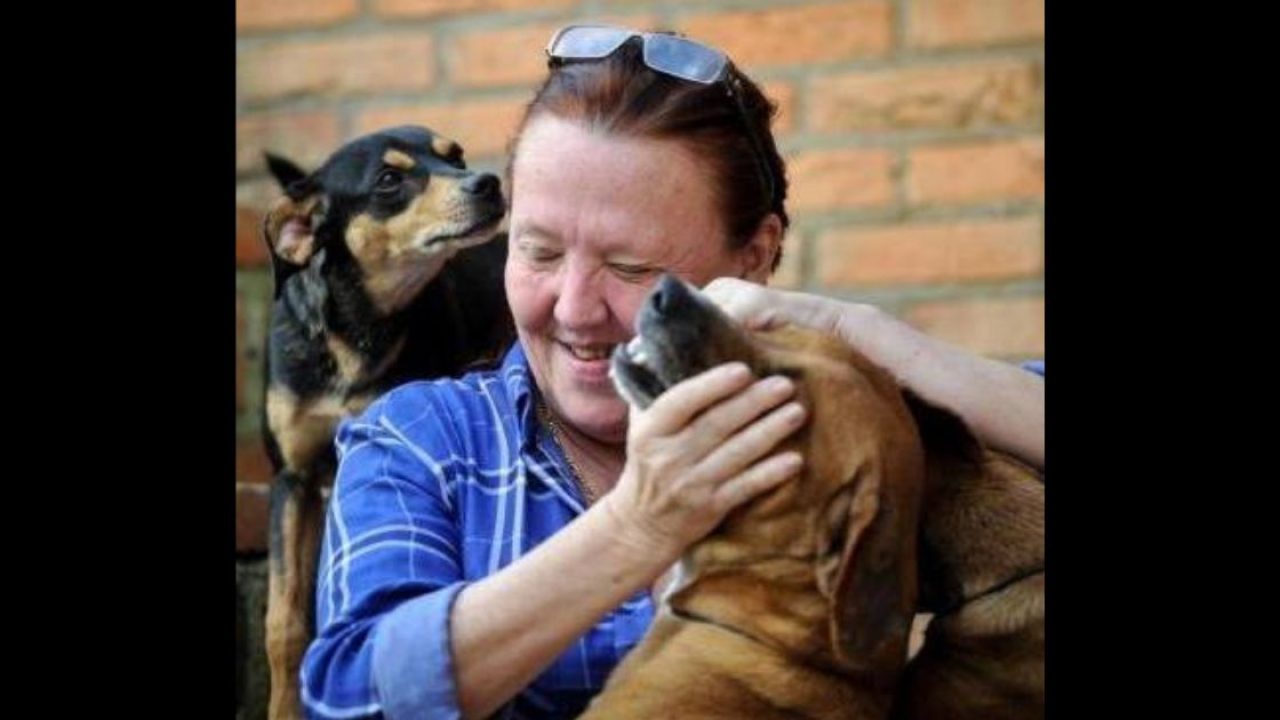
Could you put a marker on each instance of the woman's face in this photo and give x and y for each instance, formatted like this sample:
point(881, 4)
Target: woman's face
point(595, 219)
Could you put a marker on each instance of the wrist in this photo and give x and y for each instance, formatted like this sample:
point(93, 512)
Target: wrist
point(644, 544)
point(884, 339)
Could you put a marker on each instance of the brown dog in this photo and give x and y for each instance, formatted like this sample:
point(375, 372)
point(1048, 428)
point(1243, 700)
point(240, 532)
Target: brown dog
point(800, 603)
point(982, 574)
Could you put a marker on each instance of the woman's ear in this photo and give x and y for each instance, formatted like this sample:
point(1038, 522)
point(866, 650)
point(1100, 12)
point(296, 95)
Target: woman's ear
point(758, 254)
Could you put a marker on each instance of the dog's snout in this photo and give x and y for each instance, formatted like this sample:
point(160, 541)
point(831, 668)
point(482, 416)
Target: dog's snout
point(483, 185)
point(661, 301)
point(667, 295)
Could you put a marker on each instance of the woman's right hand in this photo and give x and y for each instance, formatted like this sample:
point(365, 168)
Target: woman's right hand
point(701, 449)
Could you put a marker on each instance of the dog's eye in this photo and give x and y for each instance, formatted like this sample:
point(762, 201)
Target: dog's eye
point(388, 181)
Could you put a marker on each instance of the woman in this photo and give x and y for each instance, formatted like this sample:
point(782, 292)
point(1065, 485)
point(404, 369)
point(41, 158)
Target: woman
point(491, 541)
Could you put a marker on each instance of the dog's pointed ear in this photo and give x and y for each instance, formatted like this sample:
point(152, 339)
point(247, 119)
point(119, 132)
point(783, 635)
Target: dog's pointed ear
point(866, 567)
point(285, 171)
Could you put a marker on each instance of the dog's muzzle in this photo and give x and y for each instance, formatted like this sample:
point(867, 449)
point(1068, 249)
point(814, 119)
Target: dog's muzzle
point(677, 333)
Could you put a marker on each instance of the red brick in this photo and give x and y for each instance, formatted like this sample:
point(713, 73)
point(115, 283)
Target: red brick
point(513, 56)
point(253, 467)
point(813, 33)
point(931, 252)
point(977, 172)
point(251, 248)
point(241, 369)
point(247, 353)
point(346, 66)
point(257, 194)
point(251, 518)
point(835, 179)
point(1008, 327)
point(277, 14)
point(306, 138)
point(430, 8)
point(509, 56)
point(951, 96)
point(787, 276)
point(784, 94)
point(960, 23)
point(482, 127)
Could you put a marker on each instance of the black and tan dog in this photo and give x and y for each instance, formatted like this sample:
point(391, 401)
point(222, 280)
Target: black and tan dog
point(388, 267)
point(800, 603)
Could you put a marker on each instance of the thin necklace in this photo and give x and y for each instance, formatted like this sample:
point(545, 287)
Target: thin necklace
point(584, 487)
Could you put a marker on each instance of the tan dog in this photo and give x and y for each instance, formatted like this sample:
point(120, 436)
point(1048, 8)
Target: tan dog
point(982, 574)
point(800, 603)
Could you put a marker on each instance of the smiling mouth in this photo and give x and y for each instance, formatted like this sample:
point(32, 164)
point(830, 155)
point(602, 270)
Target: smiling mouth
point(589, 353)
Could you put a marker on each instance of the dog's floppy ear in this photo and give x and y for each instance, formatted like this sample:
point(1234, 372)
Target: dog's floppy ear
point(290, 237)
point(952, 454)
point(866, 568)
point(288, 227)
point(947, 440)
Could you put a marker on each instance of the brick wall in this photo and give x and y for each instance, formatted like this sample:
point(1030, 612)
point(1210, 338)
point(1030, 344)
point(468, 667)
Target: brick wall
point(913, 130)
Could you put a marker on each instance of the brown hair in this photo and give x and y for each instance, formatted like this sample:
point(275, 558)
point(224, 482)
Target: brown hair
point(621, 95)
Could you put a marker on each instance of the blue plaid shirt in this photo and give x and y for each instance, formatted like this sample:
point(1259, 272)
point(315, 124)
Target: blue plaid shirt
point(440, 484)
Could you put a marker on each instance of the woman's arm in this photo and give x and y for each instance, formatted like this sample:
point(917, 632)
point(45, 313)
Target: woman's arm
point(1002, 403)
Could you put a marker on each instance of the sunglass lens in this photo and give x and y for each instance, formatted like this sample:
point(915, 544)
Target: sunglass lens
point(683, 58)
point(587, 43)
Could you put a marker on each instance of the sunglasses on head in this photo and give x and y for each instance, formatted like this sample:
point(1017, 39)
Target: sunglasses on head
point(670, 55)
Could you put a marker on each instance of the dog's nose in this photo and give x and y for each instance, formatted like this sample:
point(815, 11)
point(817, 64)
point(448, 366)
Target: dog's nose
point(668, 294)
point(484, 185)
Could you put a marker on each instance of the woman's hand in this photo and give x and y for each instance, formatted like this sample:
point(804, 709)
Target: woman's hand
point(762, 308)
point(1002, 403)
point(701, 449)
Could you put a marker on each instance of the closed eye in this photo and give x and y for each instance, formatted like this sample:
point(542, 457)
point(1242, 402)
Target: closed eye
point(540, 255)
point(633, 273)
